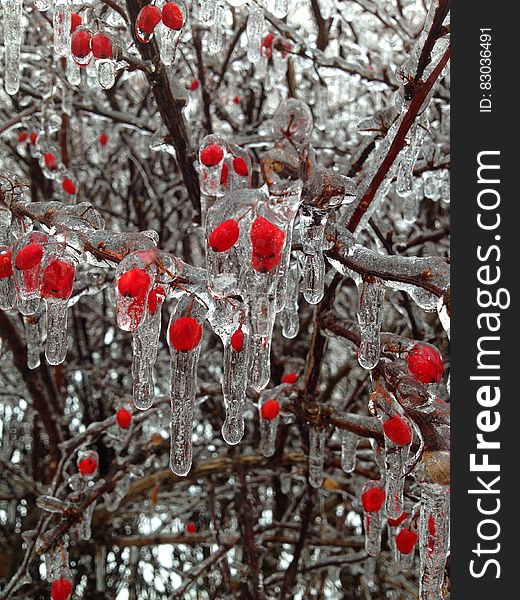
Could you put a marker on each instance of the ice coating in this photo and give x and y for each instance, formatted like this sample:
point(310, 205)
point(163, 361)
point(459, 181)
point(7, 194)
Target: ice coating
point(316, 456)
point(369, 315)
point(13, 32)
point(349, 442)
point(290, 320)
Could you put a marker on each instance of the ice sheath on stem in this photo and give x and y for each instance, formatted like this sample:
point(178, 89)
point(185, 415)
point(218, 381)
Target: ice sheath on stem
point(434, 539)
point(184, 358)
point(370, 310)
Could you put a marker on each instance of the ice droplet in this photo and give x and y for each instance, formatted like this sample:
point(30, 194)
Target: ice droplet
point(106, 73)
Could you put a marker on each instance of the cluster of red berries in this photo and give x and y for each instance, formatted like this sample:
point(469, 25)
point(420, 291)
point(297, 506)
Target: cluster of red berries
point(25, 135)
point(425, 363)
point(83, 44)
point(267, 46)
point(51, 163)
point(267, 242)
point(150, 16)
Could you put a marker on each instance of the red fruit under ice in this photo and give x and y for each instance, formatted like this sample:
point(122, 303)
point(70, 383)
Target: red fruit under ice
point(225, 236)
point(185, 334)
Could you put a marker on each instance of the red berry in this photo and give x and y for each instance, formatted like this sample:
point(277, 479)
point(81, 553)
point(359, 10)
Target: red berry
point(32, 138)
point(103, 139)
point(264, 265)
point(28, 257)
point(185, 334)
point(172, 16)
point(236, 100)
point(224, 174)
point(290, 378)
point(398, 521)
point(194, 85)
point(61, 589)
point(148, 18)
point(267, 45)
point(211, 155)
point(372, 500)
point(124, 418)
point(23, 136)
point(155, 297)
point(240, 166)
point(405, 541)
point(237, 340)
point(425, 362)
point(51, 162)
point(270, 410)
point(80, 43)
point(191, 527)
point(267, 239)
point(102, 46)
point(87, 466)
point(133, 283)
point(6, 264)
point(225, 236)
point(68, 186)
point(57, 280)
point(75, 22)
point(398, 430)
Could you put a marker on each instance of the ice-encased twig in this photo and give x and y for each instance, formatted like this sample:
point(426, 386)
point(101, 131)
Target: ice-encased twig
point(434, 538)
point(371, 297)
point(373, 523)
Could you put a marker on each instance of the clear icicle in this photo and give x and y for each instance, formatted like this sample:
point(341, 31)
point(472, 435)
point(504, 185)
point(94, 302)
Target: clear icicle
point(145, 344)
point(290, 318)
point(33, 340)
point(62, 23)
point(183, 390)
point(280, 8)
point(349, 442)
point(255, 27)
point(370, 310)
point(263, 314)
point(316, 456)
point(42, 5)
point(106, 73)
point(404, 182)
point(7, 292)
point(12, 40)
point(434, 538)
point(73, 72)
point(56, 344)
point(207, 12)
point(396, 458)
point(312, 228)
point(215, 37)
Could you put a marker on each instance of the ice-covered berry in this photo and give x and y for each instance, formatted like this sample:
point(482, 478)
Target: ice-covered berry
point(29, 257)
point(87, 466)
point(290, 378)
point(124, 418)
point(211, 155)
point(6, 264)
point(405, 541)
point(172, 16)
point(240, 166)
point(68, 186)
point(225, 236)
point(101, 46)
point(398, 430)
point(134, 283)
point(425, 362)
point(50, 161)
point(266, 238)
point(57, 280)
point(185, 334)
point(270, 409)
point(75, 22)
point(372, 500)
point(61, 589)
point(237, 340)
point(148, 19)
point(80, 43)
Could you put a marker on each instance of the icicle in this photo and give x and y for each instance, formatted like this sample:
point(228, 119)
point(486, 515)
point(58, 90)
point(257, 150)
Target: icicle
point(349, 442)
point(12, 40)
point(316, 456)
point(62, 25)
point(312, 231)
point(215, 37)
point(255, 27)
point(207, 12)
point(290, 317)
point(434, 532)
point(396, 458)
point(73, 72)
point(42, 5)
point(106, 73)
point(7, 289)
point(405, 178)
point(372, 499)
point(370, 312)
point(56, 344)
point(269, 419)
point(28, 279)
point(184, 336)
point(145, 344)
point(280, 8)
point(33, 340)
